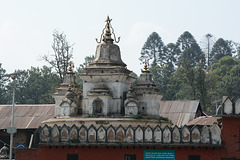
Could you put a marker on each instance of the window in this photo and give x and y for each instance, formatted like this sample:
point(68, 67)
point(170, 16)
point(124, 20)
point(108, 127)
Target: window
point(130, 157)
point(194, 157)
point(72, 156)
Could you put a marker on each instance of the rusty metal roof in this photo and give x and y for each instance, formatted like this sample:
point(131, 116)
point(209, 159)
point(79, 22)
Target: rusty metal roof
point(203, 120)
point(25, 116)
point(179, 112)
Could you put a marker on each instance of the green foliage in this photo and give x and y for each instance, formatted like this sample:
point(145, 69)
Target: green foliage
point(35, 86)
point(138, 116)
point(153, 50)
point(3, 81)
point(220, 49)
point(90, 116)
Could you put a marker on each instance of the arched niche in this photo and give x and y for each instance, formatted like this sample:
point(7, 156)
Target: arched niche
point(97, 106)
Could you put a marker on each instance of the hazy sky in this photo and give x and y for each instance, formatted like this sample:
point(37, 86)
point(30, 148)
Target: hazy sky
point(26, 26)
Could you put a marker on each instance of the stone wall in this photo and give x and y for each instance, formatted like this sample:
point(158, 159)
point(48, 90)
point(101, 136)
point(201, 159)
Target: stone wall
point(82, 135)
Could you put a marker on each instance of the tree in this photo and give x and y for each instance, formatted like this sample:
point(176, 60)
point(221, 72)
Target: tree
point(3, 81)
point(220, 49)
point(189, 48)
point(225, 77)
point(88, 59)
point(172, 53)
point(62, 54)
point(35, 86)
point(153, 50)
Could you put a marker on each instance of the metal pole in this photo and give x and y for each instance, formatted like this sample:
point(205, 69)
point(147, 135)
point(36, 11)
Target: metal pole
point(12, 122)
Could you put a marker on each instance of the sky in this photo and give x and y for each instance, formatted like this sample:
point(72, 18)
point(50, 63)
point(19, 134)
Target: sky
point(26, 26)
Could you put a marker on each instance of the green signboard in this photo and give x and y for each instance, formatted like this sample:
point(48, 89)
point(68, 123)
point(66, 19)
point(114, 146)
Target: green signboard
point(159, 155)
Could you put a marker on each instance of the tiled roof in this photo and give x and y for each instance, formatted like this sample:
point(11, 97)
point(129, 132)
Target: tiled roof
point(203, 120)
point(25, 116)
point(179, 112)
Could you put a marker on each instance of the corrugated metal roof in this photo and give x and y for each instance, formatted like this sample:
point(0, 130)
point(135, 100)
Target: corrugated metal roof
point(203, 120)
point(25, 116)
point(179, 112)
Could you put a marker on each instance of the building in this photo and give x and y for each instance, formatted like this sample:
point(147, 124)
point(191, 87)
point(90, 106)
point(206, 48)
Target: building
point(109, 119)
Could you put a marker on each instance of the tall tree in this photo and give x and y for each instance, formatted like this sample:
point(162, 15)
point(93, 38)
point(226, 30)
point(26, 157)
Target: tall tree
point(62, 54)
point(172, 53)
point(3, 81)
point(220, 49)
point(152, 50)
point(190, 49)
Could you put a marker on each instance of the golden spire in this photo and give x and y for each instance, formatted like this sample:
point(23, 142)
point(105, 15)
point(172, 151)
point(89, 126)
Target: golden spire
point(130, 87)
point(146, 64)
point(70, 69)
point(107, 36)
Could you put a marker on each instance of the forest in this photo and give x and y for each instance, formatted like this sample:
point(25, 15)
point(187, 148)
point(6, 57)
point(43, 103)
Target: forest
point(185, 70)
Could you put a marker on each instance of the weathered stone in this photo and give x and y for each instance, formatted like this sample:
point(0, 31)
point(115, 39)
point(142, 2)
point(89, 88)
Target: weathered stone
point(205, 138)
point(129, 135)
point(138, 134)
point(101, 134)
point(176, 134)
point(215, 134)
point(157, 134)
point(148, 134)
point(64, 134)
point(45, 134)
point(185, 134)
point(92, 134)
point(120, 134)
point(196, 135)
point(166, 135)
point(73, 134)
point(228, 108)
point(237, 106)
point(110, 134)
point(55, 134)
point(83, 134)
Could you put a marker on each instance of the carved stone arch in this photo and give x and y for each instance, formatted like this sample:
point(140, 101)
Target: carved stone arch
point(228, 106)
point(92, 133)
point(215, 134)
point(45, 134)
point(176, 136)
point(205, 137)
point(167, 135)
point(138, 134)
point(148, 134)
point(64, 133)
point(157, 134)
point(120, 134)
point(83, 134)
point(98, 105)
point(237, 106)
point(129, 134)
point(55, 135)
point(186, 135)
point(111, 134)
point(101, 134)
point(196, 135)
point(74, 134)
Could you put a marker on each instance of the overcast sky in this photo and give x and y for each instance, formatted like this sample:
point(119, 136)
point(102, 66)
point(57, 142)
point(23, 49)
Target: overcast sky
point(26, 26)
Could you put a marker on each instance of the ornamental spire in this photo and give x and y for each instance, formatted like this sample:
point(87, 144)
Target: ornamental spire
point(146, 64)
point(106, 37)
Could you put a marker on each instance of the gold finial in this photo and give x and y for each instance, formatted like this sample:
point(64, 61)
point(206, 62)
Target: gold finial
point(146, 64)
point(71, 66)
point(130, 87)
point(107, 36)
point(70, 87)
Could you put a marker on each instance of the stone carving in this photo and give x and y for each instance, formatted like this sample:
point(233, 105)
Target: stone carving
point(148, 134)
point(176, 134)
point(121, 135)
point(139, 134)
